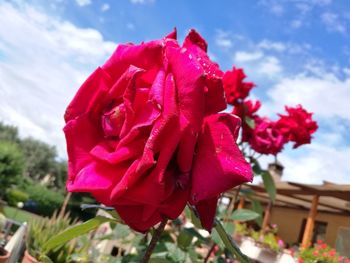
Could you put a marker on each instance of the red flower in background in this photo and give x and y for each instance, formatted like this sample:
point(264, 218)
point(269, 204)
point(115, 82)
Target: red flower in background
point(236, 89)
point(144, 134)
point(297, 126)
point(247, 112)
point(266, 138)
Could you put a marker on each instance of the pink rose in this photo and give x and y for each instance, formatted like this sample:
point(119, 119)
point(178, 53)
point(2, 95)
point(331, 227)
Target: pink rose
point(144, 134)
point(297, 126)
point(266, 138)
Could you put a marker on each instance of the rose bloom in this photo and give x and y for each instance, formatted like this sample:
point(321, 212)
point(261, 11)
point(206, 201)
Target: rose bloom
point(236, 89)
point(297, 126)
point(144, 134)
point(245, 110)
point(266, 138)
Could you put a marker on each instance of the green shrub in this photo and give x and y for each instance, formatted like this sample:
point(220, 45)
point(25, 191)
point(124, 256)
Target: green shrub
point(11, 165)
point(47, 201)
point(13, 196)
point(40, 231)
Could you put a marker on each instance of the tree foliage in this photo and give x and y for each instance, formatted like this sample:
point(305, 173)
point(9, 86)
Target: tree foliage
point(11, 165)
point(39, 156)
point(8, 133)
point(39, 159)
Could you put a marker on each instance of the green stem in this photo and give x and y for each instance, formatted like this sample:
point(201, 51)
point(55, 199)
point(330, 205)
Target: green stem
point(154, 241)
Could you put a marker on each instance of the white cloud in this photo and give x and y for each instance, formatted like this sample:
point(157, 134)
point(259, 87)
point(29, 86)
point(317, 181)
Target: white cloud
point(223, 40)
point(318, 162)
point(83, 2)
point(297, 23)
point(105, 7)
point(243, 56)
point(303, 7)
point(326, 95)
point(346, 71)
point(142, 1)
point(322, 2)
point(44, 61)
point(270, 66)
point(277, 9)
point(270, 45)
point(333, 22)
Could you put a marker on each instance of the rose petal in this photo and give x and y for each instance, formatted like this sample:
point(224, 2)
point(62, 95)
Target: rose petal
point(114, 156)
point(196, 47)
point(173, 34)
point(80, 142)
point(126, 80)
point(193, 38)
point(132, 214)
point(186, 150)
point(97, 179)
point(146, 56)
point(219, 165)
point(89, 95)
point(189, 82)
point(207, 211)
point(215, 97)
point(156, 91)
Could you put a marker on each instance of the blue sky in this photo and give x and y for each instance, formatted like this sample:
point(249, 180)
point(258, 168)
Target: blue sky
point(296, 51)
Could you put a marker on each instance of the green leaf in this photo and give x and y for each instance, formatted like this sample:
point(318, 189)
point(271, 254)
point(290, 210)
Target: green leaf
point(229, 243)
point(175, 253)
point(256, 207)
point(120, 232)
point(45, 259)
point(256, 166)
point(159, 260)
point(75, 231)
point(194, 218)
point(195, 233)
point(229, 227)
point(269, 185)
point(244, 215)
point(115, 215)
point(217, 239)
point(188, 211)
point(192, 254)
point(184, 239)
point(250, 122)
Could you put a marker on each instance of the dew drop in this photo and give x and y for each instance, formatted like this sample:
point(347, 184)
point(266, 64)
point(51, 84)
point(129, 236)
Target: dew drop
point(159, 106)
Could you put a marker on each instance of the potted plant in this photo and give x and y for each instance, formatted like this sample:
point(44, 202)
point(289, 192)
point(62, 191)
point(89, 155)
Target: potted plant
point(4, 255)
point(39, 232)
point(320, 253)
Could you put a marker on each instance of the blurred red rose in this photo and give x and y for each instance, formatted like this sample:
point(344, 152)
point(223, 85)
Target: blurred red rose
point(236, 89)
point(266, 138)
point(297, 126)
point(144, 134)
point(247, 112)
